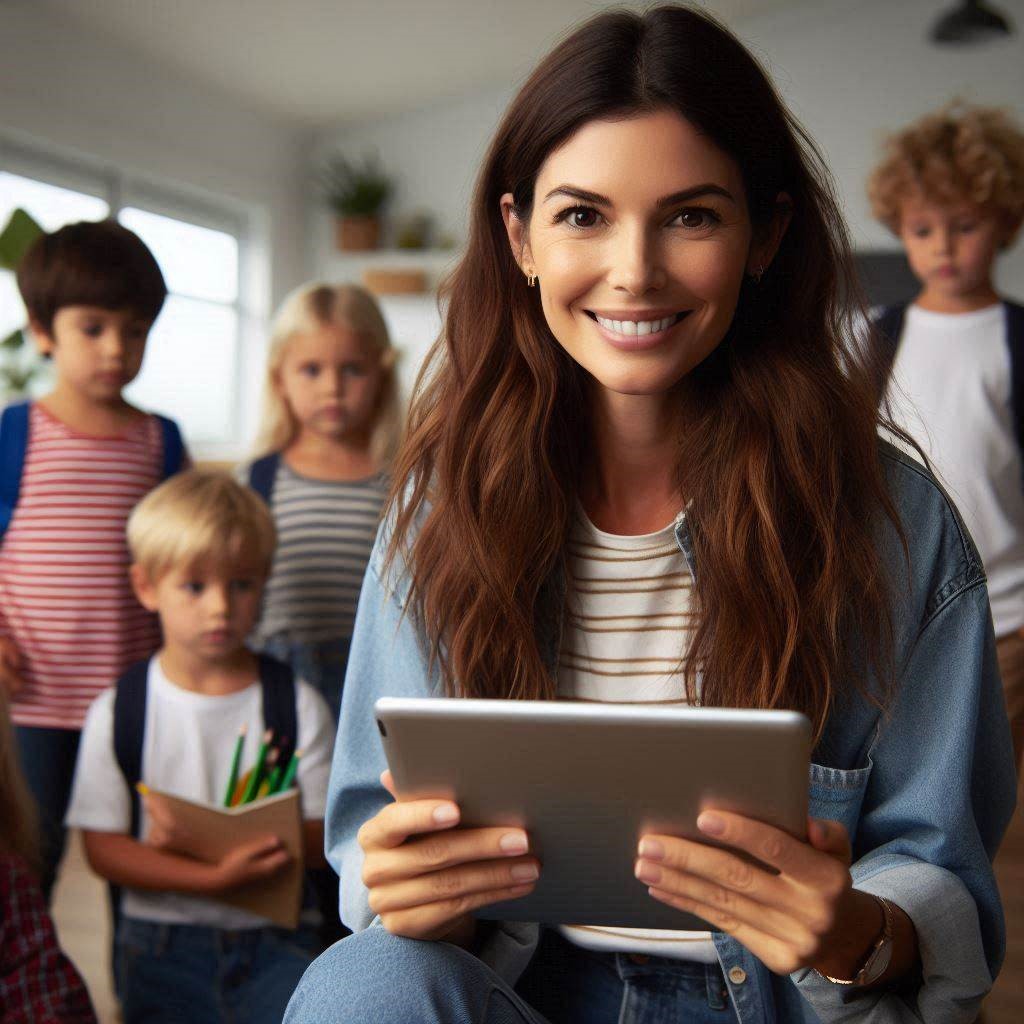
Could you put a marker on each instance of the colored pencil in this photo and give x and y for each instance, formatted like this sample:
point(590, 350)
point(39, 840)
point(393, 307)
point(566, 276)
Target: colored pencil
point(257, 773)
point(236, 760)
point(289, 775)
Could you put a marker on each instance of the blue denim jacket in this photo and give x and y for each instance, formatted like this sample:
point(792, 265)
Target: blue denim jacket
point(925, 791)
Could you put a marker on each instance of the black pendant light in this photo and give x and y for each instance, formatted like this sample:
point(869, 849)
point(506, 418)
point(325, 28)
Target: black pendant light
point(971, 22)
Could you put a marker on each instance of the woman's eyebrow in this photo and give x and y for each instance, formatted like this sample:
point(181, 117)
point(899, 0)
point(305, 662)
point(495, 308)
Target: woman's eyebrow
point(706, 188)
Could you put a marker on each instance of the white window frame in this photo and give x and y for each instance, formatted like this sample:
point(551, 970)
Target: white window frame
point(121, 189)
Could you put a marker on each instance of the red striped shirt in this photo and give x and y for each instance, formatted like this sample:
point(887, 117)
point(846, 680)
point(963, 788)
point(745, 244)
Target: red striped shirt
point(65, 598)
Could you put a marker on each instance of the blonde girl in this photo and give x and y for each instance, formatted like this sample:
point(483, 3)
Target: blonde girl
point(330, 426)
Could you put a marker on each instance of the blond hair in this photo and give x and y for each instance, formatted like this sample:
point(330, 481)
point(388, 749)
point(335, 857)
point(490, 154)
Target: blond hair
point(20, 832)
point(309, 308)
point(197, 517)
point(957, 154)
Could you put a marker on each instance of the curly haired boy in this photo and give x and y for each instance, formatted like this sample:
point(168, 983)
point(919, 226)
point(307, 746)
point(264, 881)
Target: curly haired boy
point(951, 188)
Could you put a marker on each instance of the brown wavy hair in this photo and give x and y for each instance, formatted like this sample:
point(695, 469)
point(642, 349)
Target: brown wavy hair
point(779, 457)
point(957, 154)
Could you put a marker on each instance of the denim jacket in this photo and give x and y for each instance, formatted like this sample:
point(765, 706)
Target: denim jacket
point(925, 790)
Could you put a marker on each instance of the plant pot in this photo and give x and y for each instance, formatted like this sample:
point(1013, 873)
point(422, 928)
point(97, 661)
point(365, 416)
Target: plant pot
point(356, 234)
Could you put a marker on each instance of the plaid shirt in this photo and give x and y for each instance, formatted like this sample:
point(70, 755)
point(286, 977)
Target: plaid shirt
point(38, 983)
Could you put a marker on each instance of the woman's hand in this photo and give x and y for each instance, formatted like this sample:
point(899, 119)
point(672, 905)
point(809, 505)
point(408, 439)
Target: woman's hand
point(807, 915)
point(425, 877)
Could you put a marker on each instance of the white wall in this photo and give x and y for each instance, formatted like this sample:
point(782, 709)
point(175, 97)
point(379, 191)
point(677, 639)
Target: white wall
point(852, 70)
point(83, 95)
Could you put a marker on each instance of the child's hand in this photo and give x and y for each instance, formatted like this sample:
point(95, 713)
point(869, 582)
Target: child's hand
point(250, 862)
point(165, 831)
point(11, 678)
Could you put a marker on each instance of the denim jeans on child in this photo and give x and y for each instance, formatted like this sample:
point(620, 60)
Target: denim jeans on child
point(172, 973)
point(48, 763)
point(390, 980)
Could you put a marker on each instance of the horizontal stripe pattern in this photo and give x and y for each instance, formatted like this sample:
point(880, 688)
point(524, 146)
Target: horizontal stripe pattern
point(65, 597)
point(626, 629)
point(325, 532)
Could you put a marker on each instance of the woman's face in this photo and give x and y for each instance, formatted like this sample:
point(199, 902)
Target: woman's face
point(639, 237)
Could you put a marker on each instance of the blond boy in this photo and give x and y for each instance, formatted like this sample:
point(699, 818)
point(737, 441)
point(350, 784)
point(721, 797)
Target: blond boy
point(201, 546)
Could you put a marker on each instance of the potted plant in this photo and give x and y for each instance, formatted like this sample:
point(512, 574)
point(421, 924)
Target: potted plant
point(19, 364)
point(356, 192)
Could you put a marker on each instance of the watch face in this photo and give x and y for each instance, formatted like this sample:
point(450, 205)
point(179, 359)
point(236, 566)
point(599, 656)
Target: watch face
point(877, 964)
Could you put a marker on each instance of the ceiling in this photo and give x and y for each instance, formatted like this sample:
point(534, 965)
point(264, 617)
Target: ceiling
point(322, 61)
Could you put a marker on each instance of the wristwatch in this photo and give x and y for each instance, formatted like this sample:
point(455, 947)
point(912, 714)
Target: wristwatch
point(879, 956)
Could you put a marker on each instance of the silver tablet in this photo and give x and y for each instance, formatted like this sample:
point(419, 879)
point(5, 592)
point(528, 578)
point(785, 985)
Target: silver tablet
point(586, 781)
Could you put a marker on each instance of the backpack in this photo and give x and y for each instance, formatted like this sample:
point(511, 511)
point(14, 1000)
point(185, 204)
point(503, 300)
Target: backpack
point(262, 475)
point(14, 422)
point(279, 714)
point(889, 327)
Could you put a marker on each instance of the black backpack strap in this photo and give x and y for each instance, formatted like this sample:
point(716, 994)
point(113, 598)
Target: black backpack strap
point(262, 474)
point(1015, 341)
point(174, 446)
point(888, 327)
point(13, 442)
point(279, 712)
point(129, 731)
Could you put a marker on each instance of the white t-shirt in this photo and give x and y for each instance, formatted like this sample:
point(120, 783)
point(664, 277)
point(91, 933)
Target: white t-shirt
point(950, 389)
point(187, 752)
point(625, 634)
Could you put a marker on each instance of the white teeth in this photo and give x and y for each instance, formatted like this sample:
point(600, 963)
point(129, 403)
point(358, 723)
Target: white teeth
point(636, 328)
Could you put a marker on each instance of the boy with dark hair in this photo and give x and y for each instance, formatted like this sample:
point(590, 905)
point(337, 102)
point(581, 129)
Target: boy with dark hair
point(951, 187)
point(72, 466)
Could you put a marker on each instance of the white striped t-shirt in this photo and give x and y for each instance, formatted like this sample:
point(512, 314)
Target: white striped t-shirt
point(65, 597)
point(325, 532)
point(625, 634)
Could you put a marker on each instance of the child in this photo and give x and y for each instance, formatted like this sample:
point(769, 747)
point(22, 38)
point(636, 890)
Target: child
point(951, 188)
point(73, 465)
point(331, 426)
point(201, 546)
point(37, 981)
point(645, 388)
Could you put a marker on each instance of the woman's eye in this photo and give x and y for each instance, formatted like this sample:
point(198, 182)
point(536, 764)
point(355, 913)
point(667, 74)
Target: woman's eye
point(579, 216)
point(697, 218)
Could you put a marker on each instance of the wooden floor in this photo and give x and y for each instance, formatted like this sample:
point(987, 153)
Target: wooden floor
point(83, 924)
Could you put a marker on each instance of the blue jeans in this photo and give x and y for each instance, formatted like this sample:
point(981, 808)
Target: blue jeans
point(169, 973)
point(374, 977)
point(48, 763)
point(320, 663)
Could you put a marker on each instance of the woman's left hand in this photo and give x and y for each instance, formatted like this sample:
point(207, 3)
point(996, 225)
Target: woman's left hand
point(807, 915)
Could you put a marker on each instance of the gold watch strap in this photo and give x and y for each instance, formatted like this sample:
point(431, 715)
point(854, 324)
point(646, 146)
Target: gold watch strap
point(884, 937)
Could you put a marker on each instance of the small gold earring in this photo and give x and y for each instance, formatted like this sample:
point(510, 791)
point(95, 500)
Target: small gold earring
point(531, 280)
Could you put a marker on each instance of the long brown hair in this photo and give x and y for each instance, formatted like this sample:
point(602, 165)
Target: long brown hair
point(782, 471)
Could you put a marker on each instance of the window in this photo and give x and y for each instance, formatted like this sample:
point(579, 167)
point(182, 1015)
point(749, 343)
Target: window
point(199, 250)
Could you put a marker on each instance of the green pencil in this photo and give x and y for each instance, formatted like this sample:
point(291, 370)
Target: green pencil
point(289, 775)
point(275, 779)
point(257, 773)
point(235, 762)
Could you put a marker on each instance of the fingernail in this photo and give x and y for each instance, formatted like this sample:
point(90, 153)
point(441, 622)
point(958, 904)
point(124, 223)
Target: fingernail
point(513, 843)
point(446, 814)
point(525, 872)
point(648, 872)
point(652, 849)
point(712, 824)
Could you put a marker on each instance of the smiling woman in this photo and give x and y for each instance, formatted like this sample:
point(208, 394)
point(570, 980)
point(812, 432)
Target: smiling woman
point(644, 465)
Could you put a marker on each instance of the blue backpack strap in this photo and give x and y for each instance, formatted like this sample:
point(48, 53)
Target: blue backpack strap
point(129, 731)
point(263, 473)
point(174, 446)
point(13, 442)
point(1015, 341)
point(279, 712)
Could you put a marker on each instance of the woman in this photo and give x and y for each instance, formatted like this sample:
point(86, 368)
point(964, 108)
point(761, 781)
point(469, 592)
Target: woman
point(644, 386)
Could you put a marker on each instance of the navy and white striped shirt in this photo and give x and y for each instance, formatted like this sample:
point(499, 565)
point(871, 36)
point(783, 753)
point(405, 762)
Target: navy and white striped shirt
point(325, 531)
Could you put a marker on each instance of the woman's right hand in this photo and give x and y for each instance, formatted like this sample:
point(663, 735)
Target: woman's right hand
point(425, 877)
